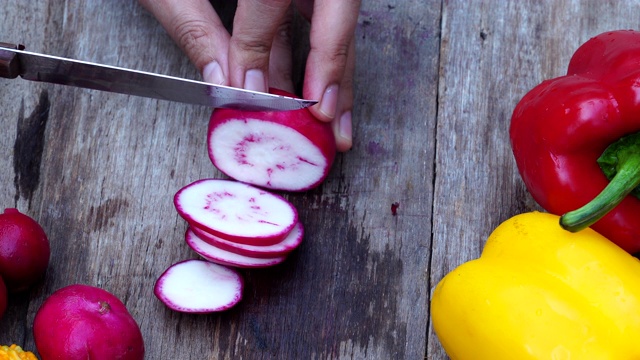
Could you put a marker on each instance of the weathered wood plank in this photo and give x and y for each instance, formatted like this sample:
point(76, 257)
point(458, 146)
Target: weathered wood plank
point(492, 54)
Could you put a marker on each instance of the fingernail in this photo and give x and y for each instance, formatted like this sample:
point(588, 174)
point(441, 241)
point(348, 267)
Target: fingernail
point(344, 126)
point(212, 73)
point(254, 80)
point(329, 101)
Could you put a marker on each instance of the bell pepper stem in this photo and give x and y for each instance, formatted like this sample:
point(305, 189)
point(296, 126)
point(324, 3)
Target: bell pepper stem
point(621, 164)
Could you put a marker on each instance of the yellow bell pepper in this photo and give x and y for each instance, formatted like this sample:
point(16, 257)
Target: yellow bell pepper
point(15, 352)
point(540, 292)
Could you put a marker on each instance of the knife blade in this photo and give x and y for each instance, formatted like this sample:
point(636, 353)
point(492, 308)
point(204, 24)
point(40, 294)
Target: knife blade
point(15, 61)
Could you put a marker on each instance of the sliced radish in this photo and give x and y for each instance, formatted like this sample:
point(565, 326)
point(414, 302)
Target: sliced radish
point(283, 150)
point(236, 211)
point(223, 257)
point(282, 248)
point(198, 286)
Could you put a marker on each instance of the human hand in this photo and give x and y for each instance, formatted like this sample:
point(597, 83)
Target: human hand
point(258, 54)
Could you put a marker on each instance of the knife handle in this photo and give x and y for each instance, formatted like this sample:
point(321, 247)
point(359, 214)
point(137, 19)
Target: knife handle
point(9, 65)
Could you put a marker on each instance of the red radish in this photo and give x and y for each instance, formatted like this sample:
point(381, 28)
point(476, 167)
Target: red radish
point(197, 286)
point(236, 211)
point(3, 298)
point(219, 256)
point(86, 322)
point(282, 150)
point(24, 250)
point(270, 251)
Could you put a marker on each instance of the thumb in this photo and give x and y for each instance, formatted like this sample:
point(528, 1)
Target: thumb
point(254, 29)
point(197, 29)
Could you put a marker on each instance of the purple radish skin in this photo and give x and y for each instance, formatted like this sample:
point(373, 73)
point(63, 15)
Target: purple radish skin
point(222, 257)
point(236, 211)
point(280, 150)
point(199, 287)
point(290, 243)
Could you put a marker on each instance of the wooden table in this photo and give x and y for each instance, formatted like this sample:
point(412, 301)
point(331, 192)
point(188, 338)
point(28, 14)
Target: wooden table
point(435, 87)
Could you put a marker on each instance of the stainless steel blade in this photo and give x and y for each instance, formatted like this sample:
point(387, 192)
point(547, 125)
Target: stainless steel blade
point(58, 70)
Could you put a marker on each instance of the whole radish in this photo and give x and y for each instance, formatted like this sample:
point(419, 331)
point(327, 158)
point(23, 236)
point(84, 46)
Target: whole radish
point(3, 298)
point(281, 150)
point(86, 322)
point(24, 250)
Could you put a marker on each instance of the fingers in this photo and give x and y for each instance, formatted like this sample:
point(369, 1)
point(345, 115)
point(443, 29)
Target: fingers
point(341, 123)
point(280, 60)
point(197, 29)
point(255, 27)
point(331, 64)
point(259, 52)
point(332, 30)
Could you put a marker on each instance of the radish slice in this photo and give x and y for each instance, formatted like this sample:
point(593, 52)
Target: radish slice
point(283, 150)
point(236, 211)
point(282, 248)
point(198, 286)
point(223, 257)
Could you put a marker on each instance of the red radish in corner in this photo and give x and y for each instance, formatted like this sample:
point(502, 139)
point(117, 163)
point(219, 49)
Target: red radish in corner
point(236, 211)
point(198, 286)
point(24, 250)
point(284, 247)
point(223, 257)
point(281, 150)
point(86, 322)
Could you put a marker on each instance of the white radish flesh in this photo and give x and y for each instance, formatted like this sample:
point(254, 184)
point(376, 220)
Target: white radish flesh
point(198, 286)
point(236, 211)
point(284, 247)
point(283, 150)
point(266, 154)
point(223, 257)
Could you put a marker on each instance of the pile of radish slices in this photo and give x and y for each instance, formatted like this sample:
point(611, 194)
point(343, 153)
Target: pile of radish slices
point(237, 223)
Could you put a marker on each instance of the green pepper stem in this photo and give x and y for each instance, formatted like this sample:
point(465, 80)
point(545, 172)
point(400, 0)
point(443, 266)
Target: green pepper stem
point(623, 182)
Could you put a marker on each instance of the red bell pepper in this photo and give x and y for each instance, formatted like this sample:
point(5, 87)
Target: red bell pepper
point(576, 139)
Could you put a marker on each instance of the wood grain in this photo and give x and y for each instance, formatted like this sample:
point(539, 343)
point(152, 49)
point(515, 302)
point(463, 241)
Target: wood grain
point(435, 85)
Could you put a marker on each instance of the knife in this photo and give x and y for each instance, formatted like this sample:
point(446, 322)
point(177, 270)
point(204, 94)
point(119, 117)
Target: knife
point(15, 61)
